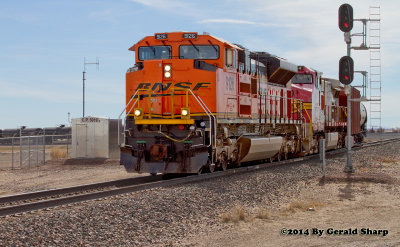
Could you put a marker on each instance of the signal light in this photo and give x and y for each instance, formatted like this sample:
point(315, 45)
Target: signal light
point(346, 70)
point(345, 17)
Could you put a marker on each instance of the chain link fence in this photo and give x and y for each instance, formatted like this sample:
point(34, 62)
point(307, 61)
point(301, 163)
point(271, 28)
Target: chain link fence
point(30, 151)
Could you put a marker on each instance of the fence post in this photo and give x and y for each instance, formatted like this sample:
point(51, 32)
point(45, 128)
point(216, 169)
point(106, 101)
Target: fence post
point(37, 149)
point(29, 151)
point(12, 153)
point(67, 144)
point(44, 146)
point(20, 151)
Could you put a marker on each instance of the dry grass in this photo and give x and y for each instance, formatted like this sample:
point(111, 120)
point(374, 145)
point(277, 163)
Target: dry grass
point(9, 148)
point(239, 213)
point(303, 205)
point(388, 160)
point(364, 169)
point(58, 153)
point(236, 214)
point(263, 214)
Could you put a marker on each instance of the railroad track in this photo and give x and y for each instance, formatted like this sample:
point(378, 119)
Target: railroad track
point(26, 202)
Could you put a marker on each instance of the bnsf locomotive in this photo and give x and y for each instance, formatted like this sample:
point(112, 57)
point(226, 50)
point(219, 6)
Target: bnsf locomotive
point(197, 102)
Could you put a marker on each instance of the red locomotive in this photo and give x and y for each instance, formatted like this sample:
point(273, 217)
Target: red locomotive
point(197, 102)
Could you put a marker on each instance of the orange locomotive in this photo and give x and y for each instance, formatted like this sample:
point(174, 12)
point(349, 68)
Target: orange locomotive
point(197, 102)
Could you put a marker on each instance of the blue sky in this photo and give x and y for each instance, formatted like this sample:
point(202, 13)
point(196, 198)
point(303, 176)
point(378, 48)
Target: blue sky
point(43, 44)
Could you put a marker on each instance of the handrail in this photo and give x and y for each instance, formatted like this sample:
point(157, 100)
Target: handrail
point(215, 121)
point(198, 99)
point(334, 113)
point(311, 128)
point(209, 113)
point(119, 117)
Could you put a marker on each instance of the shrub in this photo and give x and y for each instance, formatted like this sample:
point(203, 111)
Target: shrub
point(236, 214)
point(58, 153)
point(263, 213)
point(304, 206)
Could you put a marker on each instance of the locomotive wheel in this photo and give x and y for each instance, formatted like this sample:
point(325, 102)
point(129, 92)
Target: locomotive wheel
point(224, 162)
point(224, 165)
point(210, 167)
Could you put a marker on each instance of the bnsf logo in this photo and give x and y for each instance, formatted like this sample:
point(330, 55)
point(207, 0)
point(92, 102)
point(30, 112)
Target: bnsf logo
point(158, 86)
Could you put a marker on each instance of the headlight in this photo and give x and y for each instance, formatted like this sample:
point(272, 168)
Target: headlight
point(167, 71)
point(184, 112)
point(167, 74)
point(137, 112)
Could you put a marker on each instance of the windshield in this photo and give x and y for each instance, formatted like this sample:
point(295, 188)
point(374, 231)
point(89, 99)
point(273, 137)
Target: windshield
point(154, 52)
point(302, 78)
point(199, 51)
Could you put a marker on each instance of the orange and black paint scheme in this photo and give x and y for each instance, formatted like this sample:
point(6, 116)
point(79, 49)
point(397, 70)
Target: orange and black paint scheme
point(174, 74)
point(190, 99)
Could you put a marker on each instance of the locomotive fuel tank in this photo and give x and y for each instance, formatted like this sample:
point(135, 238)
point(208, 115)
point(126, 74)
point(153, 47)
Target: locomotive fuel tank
point(258, 148)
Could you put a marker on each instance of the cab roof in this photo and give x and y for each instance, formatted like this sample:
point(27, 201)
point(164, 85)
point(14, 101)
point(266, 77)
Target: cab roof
point(177, 36)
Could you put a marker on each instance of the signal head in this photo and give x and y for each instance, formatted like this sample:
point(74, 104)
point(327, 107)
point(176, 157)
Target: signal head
point(345, 17)
point(346, 70)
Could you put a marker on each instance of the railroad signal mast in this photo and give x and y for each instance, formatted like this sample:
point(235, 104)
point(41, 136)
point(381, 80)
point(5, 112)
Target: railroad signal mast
point(346, 65)
point(346, 72)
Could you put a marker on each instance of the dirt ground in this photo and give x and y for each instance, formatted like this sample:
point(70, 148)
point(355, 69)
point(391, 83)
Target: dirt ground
point(339, 210)
point(61, 173)
point(336, 211)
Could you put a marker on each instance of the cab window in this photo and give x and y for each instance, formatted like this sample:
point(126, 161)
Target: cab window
point(228, 57)
point(302, 78)
point(199, 51)
point(154, 52)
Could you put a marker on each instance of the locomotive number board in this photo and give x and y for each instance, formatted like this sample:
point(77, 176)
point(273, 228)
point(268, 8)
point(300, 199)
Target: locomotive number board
point(161, 36)
point(189, 35)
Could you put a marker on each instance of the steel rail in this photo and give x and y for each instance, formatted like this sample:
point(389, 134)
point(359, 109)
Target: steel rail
point(77, 189)
point(15, 209)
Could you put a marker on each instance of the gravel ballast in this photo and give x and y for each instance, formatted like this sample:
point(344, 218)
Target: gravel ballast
point(169, 216)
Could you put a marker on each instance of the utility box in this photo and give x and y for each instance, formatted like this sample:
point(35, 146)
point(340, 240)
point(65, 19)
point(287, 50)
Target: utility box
point(95, 137)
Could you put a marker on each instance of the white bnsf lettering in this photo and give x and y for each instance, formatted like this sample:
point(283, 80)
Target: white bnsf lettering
point(90, 120)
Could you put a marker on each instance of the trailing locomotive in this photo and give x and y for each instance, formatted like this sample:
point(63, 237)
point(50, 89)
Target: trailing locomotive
point(197, 102)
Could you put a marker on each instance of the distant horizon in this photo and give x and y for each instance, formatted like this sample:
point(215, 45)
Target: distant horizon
point(69, 125)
